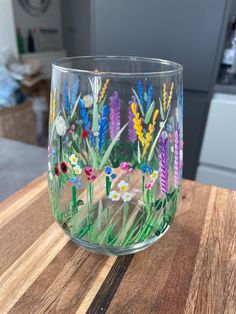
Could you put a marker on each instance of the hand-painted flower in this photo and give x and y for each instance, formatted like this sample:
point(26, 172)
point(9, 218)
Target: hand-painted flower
point(144, 168)
point(154, 174)
point(124, 165)
point(84, 134)
point(126, 172)
point(77, 169)
point(74, 180)
point(79, 184)
point(131, 170)
point(63, 167)
point(88, 170)
point(93, 178)
point(88, 101)
point(56, 171)
point(123, 185)
point(108, 170)
point(126, 197)
point(73, 159)
point(114, 196)
point(60, 126)
point(54, 152)
point(149, 185)
point(113, 176)
point(49, 151)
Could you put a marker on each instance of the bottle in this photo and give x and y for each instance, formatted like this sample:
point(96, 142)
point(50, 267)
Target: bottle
point(31, 46)
point(20, 42)
point(36, 39)
point(228, 64)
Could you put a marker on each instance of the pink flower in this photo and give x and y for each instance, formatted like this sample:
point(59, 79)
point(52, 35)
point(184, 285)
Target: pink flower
point(149, 185)
point(88, 171)
point(126, 172)
point(131, 170)
point(124, 165)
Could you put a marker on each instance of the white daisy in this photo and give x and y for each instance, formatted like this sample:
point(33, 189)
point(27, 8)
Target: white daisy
point(77, 169)
point(88, 101)
point(154, 175)
point(60, 126)
point(73, 159)
point(123, 185)
point(126, 197)
point(114, 196)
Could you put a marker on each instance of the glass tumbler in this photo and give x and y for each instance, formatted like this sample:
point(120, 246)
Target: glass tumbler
point(115, 150)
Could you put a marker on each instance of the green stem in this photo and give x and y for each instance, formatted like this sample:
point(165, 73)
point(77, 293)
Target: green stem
point(143, 187)
point(108, 185)
point(126, 210)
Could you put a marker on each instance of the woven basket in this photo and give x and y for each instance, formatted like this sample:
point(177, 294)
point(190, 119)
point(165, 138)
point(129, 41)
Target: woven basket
point(19, 123)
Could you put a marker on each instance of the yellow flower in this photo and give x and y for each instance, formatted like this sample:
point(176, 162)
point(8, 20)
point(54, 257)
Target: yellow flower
point(114, 196)
point(123, 185)
point(103, 91)
point(73, 159)
point(154, 175)
point(137, 124)
point(151, 129)
point(164, 97)
point(170, 95)
point(77, 169)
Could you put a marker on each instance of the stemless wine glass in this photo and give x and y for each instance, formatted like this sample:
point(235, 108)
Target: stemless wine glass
point(115, 150)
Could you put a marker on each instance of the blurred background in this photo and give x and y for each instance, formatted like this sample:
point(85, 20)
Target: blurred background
point(201, 35)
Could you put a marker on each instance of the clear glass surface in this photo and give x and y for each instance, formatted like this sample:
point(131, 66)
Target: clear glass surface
point(115, 150)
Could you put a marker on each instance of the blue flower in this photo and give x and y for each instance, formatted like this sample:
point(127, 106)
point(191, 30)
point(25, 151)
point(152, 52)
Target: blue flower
point(108, 170)
point(140, 92)
point(150, 169)
point(113, 176)
point(144, 168)
point(79, 184)
point(74, 180)
point(54, 152)
point(169, 128)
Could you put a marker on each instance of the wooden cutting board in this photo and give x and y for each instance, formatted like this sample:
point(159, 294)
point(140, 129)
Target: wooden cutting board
point(192, 269)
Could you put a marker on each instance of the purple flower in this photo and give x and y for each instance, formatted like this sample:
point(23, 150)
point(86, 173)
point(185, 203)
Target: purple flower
point(131, 131)
point(163, 161)
point(177, 155)
point(114, 124)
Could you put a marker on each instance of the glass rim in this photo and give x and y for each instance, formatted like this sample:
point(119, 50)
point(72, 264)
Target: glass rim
point(177, 68)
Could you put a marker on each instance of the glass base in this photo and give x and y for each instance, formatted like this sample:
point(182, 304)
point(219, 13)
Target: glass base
point(117, 250)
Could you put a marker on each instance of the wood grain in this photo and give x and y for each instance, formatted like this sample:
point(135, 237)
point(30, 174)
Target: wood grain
point(192, 269)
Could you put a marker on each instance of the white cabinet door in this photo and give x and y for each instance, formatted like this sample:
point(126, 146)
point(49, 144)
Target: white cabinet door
point(217, 164)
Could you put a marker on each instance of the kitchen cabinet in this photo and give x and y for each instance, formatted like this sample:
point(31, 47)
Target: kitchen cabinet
point(217, 163)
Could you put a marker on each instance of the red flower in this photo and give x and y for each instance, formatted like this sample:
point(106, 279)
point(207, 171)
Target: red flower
point(56, 171)
point(84, 134)
point(64, 167)
point(93, 178)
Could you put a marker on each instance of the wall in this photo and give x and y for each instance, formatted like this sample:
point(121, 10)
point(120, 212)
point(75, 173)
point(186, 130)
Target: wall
point(7, 27)
point(50, 19)
point(76, 22)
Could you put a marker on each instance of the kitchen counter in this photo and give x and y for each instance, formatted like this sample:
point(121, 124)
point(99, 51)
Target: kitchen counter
point(191, 269)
